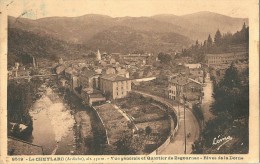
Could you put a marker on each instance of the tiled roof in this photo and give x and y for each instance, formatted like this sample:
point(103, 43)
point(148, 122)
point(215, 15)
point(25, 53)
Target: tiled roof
point(195, 81)
point(88, 73)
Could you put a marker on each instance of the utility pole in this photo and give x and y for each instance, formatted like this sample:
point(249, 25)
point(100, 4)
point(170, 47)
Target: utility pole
point(184, 102)
point(179, 109)
point(178, 100)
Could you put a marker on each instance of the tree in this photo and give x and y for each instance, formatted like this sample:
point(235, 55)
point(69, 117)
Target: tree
point(129, 144)
point(205, 43)
point(218, 38)
point(164, 58)
point(231, 78)
point(244, 27)
point(109, 150)
point(197, 147)
point(230, 95)
point(209, 41)
point(198, 113)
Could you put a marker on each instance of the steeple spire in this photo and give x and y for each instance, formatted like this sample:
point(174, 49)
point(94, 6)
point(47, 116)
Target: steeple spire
point(98, 56)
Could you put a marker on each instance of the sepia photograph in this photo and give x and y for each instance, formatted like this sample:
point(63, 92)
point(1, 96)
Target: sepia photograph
point(120, 77)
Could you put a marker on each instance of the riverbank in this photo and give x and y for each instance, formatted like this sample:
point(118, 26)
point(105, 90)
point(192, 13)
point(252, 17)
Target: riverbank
point(21, 95)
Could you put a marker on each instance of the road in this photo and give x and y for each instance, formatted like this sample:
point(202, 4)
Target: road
point(207, 98)
point(192, 127)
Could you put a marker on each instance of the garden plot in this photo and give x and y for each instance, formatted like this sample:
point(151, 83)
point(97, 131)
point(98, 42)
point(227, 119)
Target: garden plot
point(115, 123)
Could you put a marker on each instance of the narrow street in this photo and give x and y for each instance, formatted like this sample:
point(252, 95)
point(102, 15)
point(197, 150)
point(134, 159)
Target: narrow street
point(192, 127)
point(207, 98)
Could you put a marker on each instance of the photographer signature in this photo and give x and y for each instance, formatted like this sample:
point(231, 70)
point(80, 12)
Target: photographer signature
point(221, 141)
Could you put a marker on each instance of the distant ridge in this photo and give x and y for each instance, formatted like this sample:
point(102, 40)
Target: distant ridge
point(79, 35)
point(78, 29)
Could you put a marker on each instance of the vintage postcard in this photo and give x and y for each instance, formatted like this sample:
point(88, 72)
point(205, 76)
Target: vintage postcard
point(127, 81)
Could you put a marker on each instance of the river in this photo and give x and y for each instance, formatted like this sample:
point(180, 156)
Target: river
point(54, 123)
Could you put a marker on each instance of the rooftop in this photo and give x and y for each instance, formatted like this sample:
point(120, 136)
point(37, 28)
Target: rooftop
point(114, 77)
point(88, 73)
point(181, 79)
point(195, 81)
point(192, 66)
point(228, 53)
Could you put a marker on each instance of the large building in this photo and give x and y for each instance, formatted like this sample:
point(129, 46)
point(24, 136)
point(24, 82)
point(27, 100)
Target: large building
point(115, 86)
point(225, 58)
point(181, 85)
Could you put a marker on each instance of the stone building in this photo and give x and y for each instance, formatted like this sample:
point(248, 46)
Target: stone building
point(225, 58)
point(181, 85)
point(115, 86)
point(196, 72)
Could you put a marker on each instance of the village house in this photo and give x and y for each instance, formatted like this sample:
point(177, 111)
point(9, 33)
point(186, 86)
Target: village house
point(196, 72)
point(86, 79)
point(115, 86)
point(122, 72)
point(142, 59)
point(181, 85)
point(88, 87)
point(92, 98)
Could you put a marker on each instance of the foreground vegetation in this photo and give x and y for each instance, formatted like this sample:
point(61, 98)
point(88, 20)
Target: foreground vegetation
point(231, 110)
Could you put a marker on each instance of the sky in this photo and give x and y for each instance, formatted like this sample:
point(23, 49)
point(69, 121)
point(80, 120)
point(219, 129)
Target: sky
point(35, 9)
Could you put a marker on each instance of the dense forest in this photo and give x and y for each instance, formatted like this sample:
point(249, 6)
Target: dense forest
point(22, 45)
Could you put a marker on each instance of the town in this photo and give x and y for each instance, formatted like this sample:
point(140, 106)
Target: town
point(130, 103)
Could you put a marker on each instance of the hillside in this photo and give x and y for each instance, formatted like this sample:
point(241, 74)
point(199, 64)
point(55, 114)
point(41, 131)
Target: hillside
point(22, 45)
point(75, 29)
point(127, 40)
